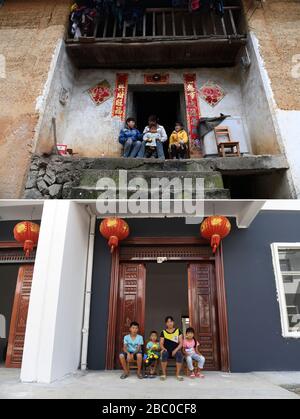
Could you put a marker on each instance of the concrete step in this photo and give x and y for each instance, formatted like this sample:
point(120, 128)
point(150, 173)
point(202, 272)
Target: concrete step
point(89, 187)
point(246, 164)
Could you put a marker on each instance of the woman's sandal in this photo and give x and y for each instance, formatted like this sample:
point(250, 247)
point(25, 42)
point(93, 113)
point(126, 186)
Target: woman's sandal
point(179, 378)
point(163, 377)
point(123, 376)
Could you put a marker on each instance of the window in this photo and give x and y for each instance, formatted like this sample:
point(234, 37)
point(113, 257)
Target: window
point(286, 259)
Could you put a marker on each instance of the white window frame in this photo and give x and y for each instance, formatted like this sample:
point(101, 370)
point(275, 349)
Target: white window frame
point(276, 247)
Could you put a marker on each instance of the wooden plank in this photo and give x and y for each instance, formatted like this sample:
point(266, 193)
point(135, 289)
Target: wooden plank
point(203, 24)
point(194, 26)
point(164, 23)
point(105, 26)
point(144, 24)
point(173, 23)
point(183, 25)
point(124, 30)
point(232, 22)
point(96, 27)
point(213, 22)
point(115, 28)
point(224, 26)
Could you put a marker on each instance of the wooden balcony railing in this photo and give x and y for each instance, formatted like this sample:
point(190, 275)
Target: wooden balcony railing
point(171, 24)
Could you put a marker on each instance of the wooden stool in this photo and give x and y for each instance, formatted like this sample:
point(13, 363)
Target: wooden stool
point(224, 141)
point(187, 371)
point(132, 365)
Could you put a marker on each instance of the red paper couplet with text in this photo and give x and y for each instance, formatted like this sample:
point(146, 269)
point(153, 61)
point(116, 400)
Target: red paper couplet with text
point(193, 114)
point(120, 99)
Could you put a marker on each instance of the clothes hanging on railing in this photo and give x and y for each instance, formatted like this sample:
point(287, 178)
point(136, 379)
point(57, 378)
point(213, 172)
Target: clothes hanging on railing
point(130, 12)
point(82, 18)
point(216, 5)
point(206, 125)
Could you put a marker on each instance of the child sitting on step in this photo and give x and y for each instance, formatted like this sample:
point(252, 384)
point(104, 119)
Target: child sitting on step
point(152, 354)
point(191, 353)
point(150, 139)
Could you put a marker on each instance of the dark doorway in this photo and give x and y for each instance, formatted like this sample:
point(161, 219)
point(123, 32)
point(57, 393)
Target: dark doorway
point(8, 281)
point(165, 105)
point(163, 280)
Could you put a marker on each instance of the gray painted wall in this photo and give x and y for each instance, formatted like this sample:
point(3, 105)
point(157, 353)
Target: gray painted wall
point(255, 337)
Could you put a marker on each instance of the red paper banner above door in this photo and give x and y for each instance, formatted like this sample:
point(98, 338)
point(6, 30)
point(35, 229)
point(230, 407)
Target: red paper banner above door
point(193, 113)
point(120, 98)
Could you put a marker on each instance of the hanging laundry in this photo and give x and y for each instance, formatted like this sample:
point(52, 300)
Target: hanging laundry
point(206, 125)
point(194, 5)
point(83, 14)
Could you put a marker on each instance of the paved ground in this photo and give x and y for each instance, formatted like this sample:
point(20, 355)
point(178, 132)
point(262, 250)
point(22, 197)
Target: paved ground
point(101, 385)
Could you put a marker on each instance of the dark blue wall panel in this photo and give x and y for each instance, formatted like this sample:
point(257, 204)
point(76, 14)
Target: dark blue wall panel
point(256, 343)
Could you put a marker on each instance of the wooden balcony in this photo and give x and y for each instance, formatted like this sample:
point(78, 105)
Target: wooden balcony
point(164, 37)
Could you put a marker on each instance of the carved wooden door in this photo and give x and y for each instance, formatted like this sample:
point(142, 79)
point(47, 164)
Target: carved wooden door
point(204, 311)
point(19, 317)
point(131, 301)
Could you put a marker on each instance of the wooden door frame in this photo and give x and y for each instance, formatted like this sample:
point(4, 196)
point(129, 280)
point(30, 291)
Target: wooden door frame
point(158, 242)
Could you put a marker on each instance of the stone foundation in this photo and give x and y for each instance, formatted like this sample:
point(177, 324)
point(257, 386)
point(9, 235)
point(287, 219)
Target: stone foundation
point(57, 177)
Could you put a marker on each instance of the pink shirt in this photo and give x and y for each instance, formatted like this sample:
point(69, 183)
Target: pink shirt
point(189, 346)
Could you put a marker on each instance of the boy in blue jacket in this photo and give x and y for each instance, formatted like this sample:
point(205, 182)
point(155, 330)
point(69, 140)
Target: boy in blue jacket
point(131, 138)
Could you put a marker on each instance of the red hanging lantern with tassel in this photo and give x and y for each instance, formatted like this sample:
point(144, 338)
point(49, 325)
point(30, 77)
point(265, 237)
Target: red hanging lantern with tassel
point(114, 230)
point(27, 233)
point(215, 229)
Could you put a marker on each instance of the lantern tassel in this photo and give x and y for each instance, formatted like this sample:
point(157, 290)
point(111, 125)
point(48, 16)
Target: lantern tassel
point(113, 243)
point(28, 247)
point(215, 242)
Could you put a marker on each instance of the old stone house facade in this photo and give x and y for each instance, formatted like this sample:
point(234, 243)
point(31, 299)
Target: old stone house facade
point(258, 73)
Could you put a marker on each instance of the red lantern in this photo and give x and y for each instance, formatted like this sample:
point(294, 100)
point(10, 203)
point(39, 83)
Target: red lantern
point(215, 229)
point(114, 230)
point(27, 233)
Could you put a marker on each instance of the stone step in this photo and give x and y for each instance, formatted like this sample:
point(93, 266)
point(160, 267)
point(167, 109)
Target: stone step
point(83, 192)
point(89, 178)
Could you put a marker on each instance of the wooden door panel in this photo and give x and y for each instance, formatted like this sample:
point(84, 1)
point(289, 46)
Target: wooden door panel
point(131, 301)
point(19, 317)
point(203, 311)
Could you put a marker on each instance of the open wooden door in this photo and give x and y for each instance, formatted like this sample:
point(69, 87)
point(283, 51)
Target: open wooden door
point(19, 317)
point(131, 302)
point(204, 311)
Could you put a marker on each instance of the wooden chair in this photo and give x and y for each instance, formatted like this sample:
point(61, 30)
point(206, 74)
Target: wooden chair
point(224, 141)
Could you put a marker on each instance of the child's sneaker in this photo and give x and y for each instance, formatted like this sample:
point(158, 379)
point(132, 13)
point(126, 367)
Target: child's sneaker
point(192, 375)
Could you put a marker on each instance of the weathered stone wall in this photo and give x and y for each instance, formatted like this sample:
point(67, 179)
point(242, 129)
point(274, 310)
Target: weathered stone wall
point(29, 33)
point(58, 177)
point(276, 23)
